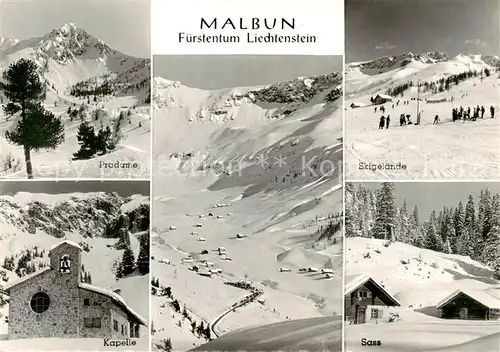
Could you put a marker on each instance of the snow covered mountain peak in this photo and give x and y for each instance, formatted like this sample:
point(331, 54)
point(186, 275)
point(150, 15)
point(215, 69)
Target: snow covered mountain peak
point(388, 63)
point(163, 83)
point(68, 42)
point(6, 43)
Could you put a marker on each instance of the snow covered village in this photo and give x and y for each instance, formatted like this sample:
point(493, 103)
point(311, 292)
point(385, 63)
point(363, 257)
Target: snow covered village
point(72, 106)
point(74, 266)
point(422, 266)
point(241, 235)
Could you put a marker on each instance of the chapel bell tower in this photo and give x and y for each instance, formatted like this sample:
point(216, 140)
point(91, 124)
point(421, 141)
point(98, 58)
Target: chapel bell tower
point(66, 260)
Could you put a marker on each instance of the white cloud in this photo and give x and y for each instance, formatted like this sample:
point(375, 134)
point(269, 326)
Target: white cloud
point(476, 42)
point(385, 45)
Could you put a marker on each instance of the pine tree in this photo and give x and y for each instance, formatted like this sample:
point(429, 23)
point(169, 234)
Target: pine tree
point(448, 231)
point(470, 227)
point(143, 257)
point(404, 224)
point(349, 216)
point(87, 141)
point(491, 252)
point(458, 223)
point(385, 212)
point(432, 239)
point(167, 345)
point(417, 235)
point(37, 128)
point(103, 141)
point(128, 262)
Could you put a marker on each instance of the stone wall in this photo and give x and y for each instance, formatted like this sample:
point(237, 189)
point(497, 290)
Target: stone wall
point(120, 316)
point(99, 307)
point(59, 320)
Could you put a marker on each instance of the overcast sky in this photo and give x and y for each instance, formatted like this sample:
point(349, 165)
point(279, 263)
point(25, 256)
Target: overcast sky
point(225, 71)
point(429, 196)
point(123, 25)
point(123, 188)
point(376, 28)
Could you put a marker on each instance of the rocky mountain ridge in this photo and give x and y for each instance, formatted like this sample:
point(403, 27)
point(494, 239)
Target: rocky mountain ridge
point(387, 63)
point(88, 215)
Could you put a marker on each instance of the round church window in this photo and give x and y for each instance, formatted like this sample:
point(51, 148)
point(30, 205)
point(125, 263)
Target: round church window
point(40, 302)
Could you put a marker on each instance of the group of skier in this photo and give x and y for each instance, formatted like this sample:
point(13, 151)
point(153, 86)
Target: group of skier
point(467, 114)
point(457, 114)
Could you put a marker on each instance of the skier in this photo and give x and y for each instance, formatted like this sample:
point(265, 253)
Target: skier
point(436, 120)
point(492, 111)
point(476, 114)
point(402, 120)
point(387, 121)
point(454, 115)
point(381, 123)
point(482, 111)
point(375, 109)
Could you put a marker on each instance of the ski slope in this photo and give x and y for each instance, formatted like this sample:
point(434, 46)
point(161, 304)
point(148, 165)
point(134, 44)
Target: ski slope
point(450, 150)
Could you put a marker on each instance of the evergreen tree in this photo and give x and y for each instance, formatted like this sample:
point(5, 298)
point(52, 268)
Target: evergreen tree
point(385, 213)
point(143, 257)
point(470, 227)
point(432, 239)
point(167, 345)
point(491, 252)
point(37, 128)
point(404, 224)
point(128, 262)
point(349, 216)
point(87, 141)
point(448, 231)
point(458, 223)
point(103, 141)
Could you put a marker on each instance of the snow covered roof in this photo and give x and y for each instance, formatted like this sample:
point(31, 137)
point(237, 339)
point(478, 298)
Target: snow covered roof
point(353, 282)
point(482, 297)
point(11, 284)
point(70, 243)
point(116, 298)
point(384, 96)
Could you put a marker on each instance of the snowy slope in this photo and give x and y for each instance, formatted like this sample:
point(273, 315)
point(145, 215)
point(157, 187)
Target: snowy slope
point(36, 220)
point(450, 150)
point(233, 164)
point(419, 279)
point(69, 58)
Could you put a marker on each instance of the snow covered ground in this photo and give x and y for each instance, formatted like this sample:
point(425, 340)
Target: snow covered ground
point(26, 221)
point(219, 175)
point(425, 278)
point(313, 334)
point(67, 57)
point(450, 150)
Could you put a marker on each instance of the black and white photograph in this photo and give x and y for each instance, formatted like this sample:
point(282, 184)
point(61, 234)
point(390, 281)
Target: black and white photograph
point(75, 84)
point(74, 265)
point(422, 90)
point(422, 262)
point(247, 202)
